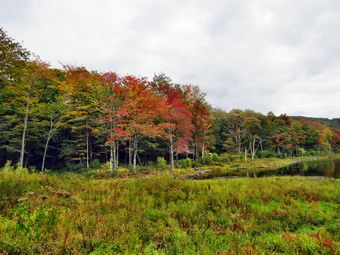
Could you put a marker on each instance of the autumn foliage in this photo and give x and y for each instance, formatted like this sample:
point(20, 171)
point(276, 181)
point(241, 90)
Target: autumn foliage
point(75, 118)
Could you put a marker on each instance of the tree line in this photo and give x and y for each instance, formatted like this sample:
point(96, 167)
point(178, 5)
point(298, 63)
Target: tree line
point(71, 117)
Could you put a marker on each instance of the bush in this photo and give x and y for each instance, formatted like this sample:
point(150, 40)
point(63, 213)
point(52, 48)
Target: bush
point(210, 158)
point(207, 159)
point(311, 153)
point(236, 157)
point(95, 164)
point(184, 163)
point(8, 167)
point(196, 164)
point(215, 157)
point(105, 166)
point(32, 169)
point(161, 163)
point(267, 154)
point(225, 158)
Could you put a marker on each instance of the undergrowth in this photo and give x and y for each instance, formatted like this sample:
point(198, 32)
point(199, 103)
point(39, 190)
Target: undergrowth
point(73, 214)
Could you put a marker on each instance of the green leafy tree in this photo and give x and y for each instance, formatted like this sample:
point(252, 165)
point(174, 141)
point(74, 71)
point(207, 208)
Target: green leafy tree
point(83, 90)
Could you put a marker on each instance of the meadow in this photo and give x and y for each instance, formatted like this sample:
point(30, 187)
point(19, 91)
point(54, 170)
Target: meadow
point(69, 213)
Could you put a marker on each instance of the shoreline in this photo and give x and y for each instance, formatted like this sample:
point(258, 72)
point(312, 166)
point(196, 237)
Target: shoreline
point(198, 174)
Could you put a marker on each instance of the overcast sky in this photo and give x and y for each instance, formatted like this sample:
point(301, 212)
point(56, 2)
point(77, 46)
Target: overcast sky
point(265, 55)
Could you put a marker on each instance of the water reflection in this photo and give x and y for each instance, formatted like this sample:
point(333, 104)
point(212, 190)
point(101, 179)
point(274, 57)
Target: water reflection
point(328, 167)
point(321, 167)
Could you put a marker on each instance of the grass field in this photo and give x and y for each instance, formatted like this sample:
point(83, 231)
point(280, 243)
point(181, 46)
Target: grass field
point(73, 214)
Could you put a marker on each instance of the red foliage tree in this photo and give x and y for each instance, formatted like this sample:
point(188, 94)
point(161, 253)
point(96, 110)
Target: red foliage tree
point(143, 113)
point(179, 116)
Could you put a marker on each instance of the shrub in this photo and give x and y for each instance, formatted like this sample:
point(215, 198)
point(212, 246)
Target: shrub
point(161, 163)
point(8, 167)
point(281, 155)
point(267, 154)
point(236, 157)
point(32, 169)
point(106, 165)
point(302, 151)
point(184, 163)
point(311, 153)
point(95, 164)
point(225, 158)
point(215, 157)
point(196, 164)
point(207, 159)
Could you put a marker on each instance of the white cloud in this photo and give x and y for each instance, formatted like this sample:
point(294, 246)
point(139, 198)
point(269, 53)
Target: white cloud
point(280, 56)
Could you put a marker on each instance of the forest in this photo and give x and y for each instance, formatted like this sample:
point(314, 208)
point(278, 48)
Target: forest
point(74, 119)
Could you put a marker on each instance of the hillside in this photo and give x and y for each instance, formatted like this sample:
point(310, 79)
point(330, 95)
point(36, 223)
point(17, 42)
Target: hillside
point(334, 123)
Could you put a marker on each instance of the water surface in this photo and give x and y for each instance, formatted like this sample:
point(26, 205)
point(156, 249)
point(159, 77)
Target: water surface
point(326, 167)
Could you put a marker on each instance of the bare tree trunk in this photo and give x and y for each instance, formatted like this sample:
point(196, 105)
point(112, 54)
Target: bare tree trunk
point(22, 153)
point(253, 148)
point(245, 154)
point(44, 157)
point(111, 158)
point(254, 151)
point(49, 136)
point(135, 146)
point(203, 145)
point(114, 154)
point(172, 154)
point(140, 162)
point(117, 155)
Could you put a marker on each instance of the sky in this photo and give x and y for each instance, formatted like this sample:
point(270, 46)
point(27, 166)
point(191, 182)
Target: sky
point(266, 55)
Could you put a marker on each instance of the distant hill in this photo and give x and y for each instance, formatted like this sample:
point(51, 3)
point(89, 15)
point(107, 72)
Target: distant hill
point(335, 123)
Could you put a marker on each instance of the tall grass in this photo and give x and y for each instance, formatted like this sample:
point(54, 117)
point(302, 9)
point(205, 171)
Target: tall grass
point(160, 215)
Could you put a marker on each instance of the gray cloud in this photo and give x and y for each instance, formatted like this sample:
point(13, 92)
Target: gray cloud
point(281, 55)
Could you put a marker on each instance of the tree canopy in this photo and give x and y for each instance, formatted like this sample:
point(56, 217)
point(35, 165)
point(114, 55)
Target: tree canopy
point(69, 118)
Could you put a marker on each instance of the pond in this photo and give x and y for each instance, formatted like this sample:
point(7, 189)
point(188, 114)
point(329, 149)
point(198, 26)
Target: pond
point(326, 167)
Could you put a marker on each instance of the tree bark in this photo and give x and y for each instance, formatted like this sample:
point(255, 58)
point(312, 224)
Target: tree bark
point(49, 136)
point(203, 145)
point(44, 157)
point(111, 158)
point(22, 153)
point(245, 154)
point(135, 146)
point(117, 155)
point(172, 154)
point(254, 148)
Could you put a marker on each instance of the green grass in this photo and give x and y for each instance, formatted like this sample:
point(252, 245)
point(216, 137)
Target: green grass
point(162, 215)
